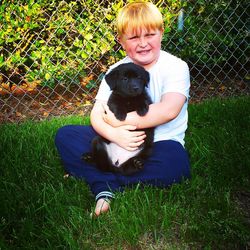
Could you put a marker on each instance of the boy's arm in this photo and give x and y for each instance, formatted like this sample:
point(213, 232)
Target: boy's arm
point(121, 135)
point(159, 113)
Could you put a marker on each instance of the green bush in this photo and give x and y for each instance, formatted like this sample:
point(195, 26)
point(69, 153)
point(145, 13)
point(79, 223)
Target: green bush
point(59, 41)
point(214, 32)
point(53, 41)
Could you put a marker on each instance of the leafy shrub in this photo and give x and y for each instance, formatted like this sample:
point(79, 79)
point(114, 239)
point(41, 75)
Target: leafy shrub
point(53, 41)
point(214, 32)
point(59, 41)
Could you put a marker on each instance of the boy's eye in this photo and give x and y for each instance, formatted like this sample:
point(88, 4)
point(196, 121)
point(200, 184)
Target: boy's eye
point(133, 37)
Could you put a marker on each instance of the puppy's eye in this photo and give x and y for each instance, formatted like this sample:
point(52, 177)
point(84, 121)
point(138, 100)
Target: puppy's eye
point(125, 79)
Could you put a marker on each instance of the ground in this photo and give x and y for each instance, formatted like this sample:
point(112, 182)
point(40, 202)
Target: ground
point(39, 103)
point(43, 102)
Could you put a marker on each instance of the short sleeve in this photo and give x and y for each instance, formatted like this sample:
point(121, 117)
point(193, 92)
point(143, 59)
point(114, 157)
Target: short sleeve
point(177, 79)
point(104, 91)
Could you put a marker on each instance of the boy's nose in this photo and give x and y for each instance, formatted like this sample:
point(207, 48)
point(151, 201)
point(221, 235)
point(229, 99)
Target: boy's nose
point(142, 42)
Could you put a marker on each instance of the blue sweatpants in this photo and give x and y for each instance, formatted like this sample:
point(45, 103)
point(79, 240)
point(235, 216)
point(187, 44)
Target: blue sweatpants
point(168, 163)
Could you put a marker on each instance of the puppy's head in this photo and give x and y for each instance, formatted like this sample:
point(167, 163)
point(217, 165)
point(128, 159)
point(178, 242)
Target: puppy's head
point(128, 79)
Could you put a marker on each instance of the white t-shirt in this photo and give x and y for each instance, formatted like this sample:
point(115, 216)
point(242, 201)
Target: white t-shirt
point(169, 74)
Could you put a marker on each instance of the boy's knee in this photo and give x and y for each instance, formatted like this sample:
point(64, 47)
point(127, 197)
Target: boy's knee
point(62, 133)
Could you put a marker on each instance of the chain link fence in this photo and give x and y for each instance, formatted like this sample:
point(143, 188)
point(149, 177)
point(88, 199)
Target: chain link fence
point(53, 54)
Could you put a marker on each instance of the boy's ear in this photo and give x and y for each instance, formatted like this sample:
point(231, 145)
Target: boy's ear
point(111, 78)
point(119, 39)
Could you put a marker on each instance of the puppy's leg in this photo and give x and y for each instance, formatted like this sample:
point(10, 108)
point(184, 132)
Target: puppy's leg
point(119, 112)
point(91, 156)
point(98, 154)
point(118, 106)
point(142, 105)
point(142, 109)
point(148, 144)
point(131, 166)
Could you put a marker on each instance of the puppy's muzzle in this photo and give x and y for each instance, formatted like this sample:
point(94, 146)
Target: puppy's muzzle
point(135, 90)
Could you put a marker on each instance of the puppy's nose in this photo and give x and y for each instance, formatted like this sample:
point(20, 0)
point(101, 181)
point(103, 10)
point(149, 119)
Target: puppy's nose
point(136, 90)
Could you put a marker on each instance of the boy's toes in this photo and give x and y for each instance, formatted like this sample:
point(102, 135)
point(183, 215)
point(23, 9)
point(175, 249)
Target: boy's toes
point(102, 206)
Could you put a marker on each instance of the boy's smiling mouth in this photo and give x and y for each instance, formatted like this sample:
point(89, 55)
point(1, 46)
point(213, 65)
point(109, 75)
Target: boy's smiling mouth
point(143, 52)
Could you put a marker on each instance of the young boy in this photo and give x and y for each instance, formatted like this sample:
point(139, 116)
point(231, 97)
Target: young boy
point(140, 30)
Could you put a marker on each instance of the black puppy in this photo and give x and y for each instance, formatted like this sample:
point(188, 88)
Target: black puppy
point(127, 82)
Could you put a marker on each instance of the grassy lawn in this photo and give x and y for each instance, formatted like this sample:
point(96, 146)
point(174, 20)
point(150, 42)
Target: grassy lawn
point(41, 210)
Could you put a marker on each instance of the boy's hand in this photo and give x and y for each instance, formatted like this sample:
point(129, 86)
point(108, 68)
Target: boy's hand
point(128, 139)
point(123, 135)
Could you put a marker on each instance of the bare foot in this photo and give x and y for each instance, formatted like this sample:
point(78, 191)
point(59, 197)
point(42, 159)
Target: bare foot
point(102, 206)
point(66, 176)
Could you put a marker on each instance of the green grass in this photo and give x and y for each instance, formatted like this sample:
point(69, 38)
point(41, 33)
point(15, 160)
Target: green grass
point(41, 210)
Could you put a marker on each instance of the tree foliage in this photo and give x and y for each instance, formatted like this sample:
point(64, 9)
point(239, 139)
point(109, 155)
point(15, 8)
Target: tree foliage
point(214, 32)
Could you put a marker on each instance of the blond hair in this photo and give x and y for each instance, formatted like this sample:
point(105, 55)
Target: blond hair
point(137, 15)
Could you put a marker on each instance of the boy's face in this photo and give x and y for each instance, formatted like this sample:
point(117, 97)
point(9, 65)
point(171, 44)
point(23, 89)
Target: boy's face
point(142, 47)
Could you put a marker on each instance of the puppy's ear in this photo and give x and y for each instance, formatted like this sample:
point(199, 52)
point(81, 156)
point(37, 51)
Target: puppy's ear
point(112, 78)
point(146, 77)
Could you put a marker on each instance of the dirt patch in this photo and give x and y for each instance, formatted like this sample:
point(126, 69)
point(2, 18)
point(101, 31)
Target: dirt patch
point(44, 102)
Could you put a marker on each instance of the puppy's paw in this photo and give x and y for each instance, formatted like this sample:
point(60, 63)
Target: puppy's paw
point(138, 163)
point(121, 116)
point(87, 157)
point(142, 111)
